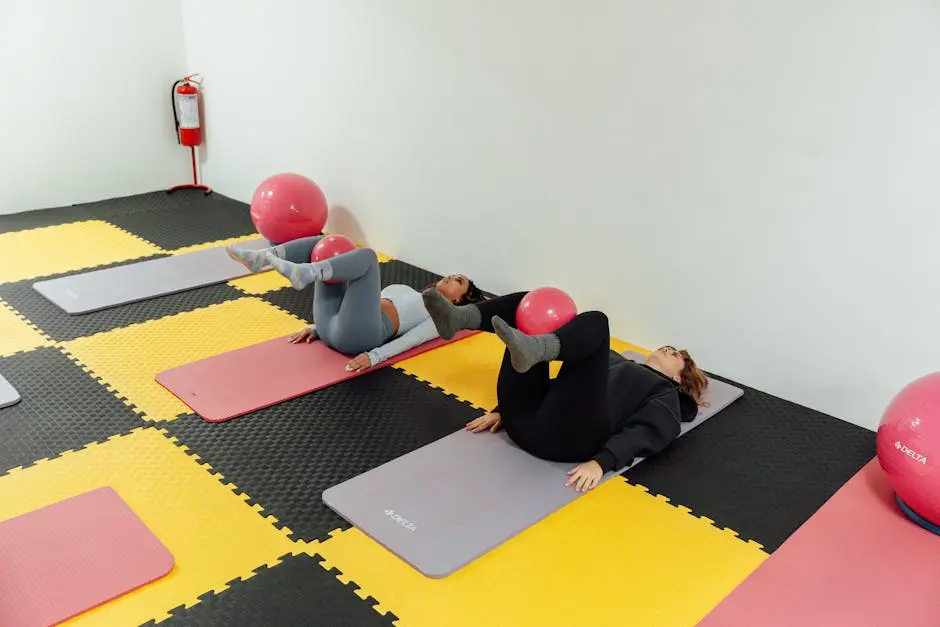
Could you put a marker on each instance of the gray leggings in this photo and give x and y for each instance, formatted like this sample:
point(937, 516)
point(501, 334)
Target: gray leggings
point(348, 314)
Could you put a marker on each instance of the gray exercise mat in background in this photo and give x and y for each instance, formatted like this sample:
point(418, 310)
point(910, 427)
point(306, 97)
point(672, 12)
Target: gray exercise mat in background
point(100, 289)
point(8, 395)
point(444, 505)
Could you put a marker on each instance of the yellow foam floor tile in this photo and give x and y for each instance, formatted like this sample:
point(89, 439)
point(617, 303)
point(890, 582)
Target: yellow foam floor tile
point(621, 346)
point(213, 534)
point(617, 556)
point(260, 283)
point(127, 359)
point(468, 368)
point(49, 250)
point(16, 334)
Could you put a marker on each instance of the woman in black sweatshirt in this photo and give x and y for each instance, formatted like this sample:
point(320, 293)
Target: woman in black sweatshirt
point(601, 411)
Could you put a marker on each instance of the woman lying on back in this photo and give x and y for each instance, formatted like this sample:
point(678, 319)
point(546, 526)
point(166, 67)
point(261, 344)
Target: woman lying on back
point(601, 411)
point(352, 314)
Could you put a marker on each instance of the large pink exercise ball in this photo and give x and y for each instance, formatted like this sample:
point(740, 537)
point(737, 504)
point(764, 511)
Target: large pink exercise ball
point(544, 310)
point(330, 246)
point(908, 447)
point(288, 206)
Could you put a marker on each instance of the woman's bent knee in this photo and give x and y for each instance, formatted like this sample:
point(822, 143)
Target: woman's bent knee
point(598, 320)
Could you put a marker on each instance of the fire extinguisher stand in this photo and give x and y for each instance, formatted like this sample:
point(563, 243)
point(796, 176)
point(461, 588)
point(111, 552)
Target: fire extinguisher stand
point(184, 98)
point(195, 184)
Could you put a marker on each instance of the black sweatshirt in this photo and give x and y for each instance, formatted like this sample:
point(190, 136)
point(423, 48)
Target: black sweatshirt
point(645, 409)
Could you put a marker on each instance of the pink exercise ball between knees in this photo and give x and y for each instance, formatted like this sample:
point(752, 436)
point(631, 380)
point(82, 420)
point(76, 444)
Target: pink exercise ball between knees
point(908, 446)
point(544, 310)
point(329, 247)
point(288, 206)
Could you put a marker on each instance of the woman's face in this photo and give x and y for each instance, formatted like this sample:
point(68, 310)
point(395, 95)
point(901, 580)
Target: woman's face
point(668, 361)
point(453, 287)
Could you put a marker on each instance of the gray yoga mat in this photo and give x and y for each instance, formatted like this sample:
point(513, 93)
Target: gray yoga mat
point(8, 395)
point(444, 505)
point(100, 289)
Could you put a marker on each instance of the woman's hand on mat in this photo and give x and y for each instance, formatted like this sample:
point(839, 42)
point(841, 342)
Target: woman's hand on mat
point(307, 335)
point(488, 421)
point(585, 476)
point(359, 362)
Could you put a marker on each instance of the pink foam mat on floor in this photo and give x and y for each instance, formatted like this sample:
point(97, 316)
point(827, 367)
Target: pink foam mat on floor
point(857, 562)
point(232, 384)
point(64, 559)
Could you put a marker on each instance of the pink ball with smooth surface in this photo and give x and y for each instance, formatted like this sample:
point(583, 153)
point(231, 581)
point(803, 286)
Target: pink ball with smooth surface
point(329, 247)
point(544, 310)
point(288, 206)
point(908, 446)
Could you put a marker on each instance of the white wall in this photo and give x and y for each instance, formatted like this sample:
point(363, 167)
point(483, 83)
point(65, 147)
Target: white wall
point(757, 181)
point(85, 108)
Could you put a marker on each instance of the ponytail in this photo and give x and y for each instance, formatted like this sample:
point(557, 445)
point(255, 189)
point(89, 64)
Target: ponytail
point(692, 380)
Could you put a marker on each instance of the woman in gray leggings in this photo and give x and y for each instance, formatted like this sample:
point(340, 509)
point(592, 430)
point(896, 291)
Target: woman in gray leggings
point(352, 314)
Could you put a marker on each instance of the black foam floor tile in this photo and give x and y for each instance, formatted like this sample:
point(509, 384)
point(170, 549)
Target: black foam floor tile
point(400, 272)
point(296, 302)
point(62, 326)
point(62, 409)
point(285, 456)
point(42, 218)
point(155, 201)
point(762, 466)
point(297, 591)
point(394, 272)
point(180, 219)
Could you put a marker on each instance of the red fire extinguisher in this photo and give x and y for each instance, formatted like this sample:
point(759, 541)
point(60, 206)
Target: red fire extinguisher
point(185, 100)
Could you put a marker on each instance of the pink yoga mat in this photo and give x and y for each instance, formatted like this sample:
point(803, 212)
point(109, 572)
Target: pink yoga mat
point(858, 561)
point(241, 381)
point(64, 559)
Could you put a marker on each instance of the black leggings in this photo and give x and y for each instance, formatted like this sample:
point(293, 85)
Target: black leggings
point(562, 419)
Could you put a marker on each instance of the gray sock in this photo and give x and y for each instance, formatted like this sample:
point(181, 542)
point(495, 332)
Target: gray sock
point(526, 350)
point(254, 260)
point(301, 274)
point(448, 317)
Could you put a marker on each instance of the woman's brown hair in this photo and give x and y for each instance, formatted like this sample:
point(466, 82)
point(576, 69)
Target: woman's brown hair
point(472, 296)
point(692, 380)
